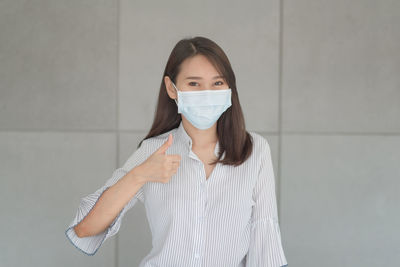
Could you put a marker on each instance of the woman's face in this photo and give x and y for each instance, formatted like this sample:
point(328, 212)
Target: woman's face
point(197, 73)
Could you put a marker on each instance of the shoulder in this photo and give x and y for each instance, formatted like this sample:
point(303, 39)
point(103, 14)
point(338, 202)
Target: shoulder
point(260, 143)
point(261, 148)
point(146, 148)
point(153, 143)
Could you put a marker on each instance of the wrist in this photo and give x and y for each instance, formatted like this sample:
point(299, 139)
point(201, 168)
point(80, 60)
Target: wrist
point(135, 175)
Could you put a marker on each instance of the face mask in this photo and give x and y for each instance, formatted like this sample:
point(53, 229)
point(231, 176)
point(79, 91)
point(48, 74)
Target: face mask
point(203, 108)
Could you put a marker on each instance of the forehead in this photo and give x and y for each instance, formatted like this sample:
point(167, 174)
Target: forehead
point(198, 65)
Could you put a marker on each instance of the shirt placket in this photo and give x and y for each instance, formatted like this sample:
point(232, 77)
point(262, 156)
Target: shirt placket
point(201, 205)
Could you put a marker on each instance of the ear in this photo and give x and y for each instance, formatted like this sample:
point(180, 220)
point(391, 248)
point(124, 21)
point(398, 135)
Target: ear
point(170, 88)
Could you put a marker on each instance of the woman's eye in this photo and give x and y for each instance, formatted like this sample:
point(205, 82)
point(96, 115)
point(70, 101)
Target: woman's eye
point(219, 82)
point(192, 83)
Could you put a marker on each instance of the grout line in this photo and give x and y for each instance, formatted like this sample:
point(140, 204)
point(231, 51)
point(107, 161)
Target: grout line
point(280, 63)
point(117, 116)
point(141, 132)
point(71, 131)
point(99, 131)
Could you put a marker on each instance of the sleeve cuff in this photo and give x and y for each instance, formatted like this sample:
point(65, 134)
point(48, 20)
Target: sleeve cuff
point(266, 247)
point(90, 244)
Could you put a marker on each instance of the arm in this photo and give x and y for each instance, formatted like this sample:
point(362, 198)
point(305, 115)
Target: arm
point(265, 248)
point(99, 214)
point(109, 205)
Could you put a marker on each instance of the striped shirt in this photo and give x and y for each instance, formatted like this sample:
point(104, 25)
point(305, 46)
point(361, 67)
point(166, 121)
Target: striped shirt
point(227, 220)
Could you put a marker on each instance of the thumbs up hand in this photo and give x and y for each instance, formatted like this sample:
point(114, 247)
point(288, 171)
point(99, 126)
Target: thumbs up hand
point(159, 167)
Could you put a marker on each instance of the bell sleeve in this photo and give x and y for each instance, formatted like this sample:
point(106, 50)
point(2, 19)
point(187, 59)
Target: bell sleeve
point(265, 249)
point(90, 244)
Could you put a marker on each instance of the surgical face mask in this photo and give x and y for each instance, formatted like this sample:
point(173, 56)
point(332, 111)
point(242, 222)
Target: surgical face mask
point(204, 107)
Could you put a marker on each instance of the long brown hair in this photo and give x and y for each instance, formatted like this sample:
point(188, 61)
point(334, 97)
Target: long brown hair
point(233, 138)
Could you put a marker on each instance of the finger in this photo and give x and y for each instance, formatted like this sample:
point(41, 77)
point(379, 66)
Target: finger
point(173, 167)
point(165, 146)
point(175, 163)
point(174, 157)
point(176, 166)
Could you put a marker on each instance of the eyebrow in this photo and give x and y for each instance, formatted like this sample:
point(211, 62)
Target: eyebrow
point(199, 78)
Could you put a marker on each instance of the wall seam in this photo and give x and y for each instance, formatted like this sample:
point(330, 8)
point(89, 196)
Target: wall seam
point(116, 263)
point(280, 63)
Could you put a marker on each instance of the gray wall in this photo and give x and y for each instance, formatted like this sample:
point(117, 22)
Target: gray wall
point(319, 79)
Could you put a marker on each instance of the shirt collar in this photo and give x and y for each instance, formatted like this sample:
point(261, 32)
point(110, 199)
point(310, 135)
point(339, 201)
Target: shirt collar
point(187, 140)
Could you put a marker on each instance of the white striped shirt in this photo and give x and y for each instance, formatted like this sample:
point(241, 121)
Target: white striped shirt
point(227, 220)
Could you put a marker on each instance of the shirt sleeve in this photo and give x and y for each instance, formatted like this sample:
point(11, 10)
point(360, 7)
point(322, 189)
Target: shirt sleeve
point(265, 249)
point(90, 244)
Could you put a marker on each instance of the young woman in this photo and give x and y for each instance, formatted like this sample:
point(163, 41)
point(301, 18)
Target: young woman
point(207, 184)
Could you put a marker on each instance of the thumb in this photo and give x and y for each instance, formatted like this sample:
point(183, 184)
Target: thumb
point(165, 146)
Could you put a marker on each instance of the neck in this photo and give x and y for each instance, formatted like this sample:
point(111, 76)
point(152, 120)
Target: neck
point(201, 138)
